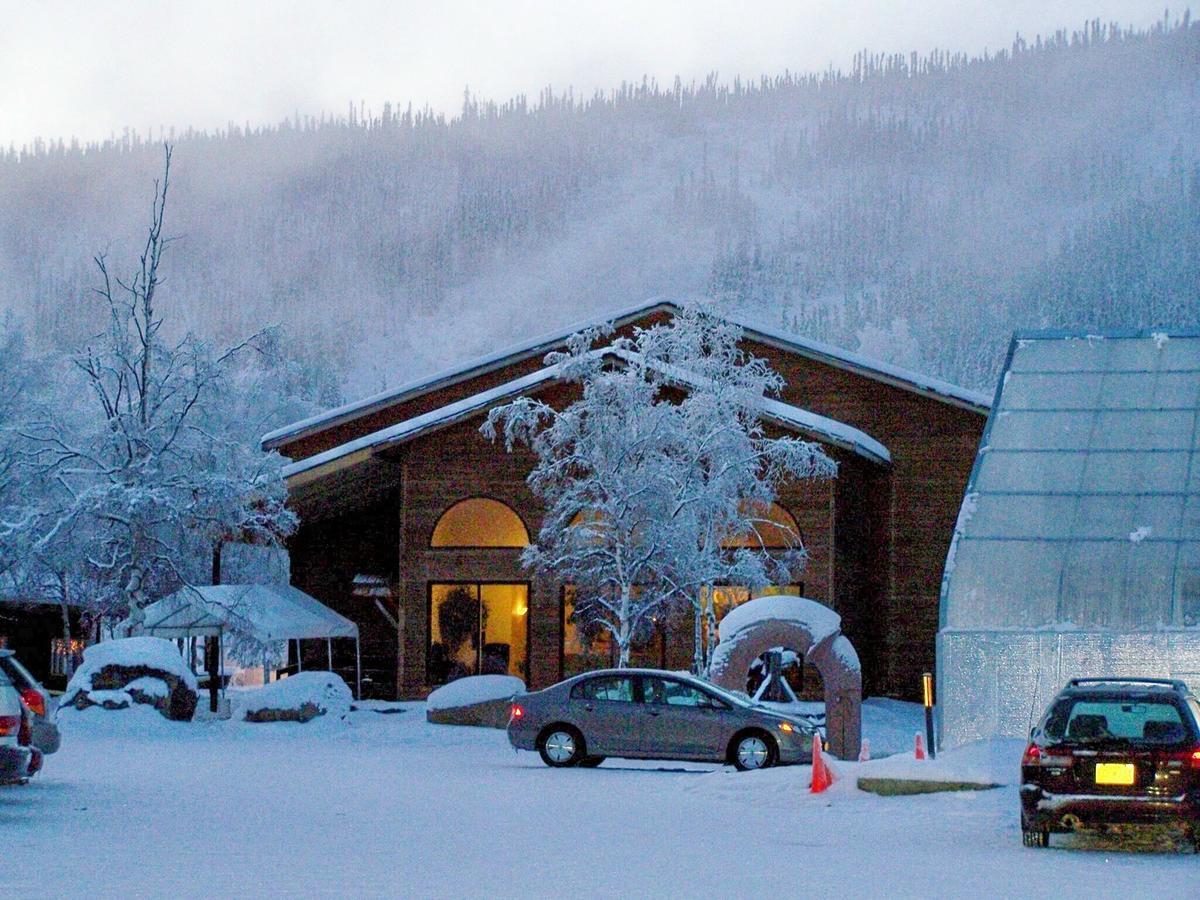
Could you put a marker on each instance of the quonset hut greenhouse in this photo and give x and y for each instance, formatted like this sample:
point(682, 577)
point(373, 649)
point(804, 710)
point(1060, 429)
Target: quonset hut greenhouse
point(1077, 550)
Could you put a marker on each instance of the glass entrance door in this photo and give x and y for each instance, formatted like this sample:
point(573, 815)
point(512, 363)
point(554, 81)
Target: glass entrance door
point(477, 628)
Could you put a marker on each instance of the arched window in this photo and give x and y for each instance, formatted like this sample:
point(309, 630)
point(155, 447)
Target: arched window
point(776, 528)
point(479, 522)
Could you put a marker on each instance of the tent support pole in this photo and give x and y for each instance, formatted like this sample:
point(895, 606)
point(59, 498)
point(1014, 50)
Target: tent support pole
point(357, 669)
point(329, 653)
point(299, 660)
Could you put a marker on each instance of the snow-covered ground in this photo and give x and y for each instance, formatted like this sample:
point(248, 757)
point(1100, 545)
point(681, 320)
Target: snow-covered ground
point(390, 805)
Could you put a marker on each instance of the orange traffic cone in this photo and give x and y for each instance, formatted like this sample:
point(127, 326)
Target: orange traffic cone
point(919, 749)
point(822, 777)
point(864, 753)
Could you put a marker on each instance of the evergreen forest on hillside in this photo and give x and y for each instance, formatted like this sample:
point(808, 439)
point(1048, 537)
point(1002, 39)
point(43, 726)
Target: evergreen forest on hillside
point(916, 209)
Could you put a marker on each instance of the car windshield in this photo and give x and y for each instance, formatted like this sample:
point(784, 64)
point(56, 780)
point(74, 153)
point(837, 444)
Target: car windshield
point(1099, 720)
point(727, 696)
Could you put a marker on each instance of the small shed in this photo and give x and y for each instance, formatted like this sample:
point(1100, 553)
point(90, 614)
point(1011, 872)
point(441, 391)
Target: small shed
point(266, 612)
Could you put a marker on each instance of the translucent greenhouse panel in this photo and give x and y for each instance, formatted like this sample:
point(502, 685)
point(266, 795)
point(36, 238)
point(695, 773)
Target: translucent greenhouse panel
point(1190, 525)
point(1023, 516)
point(1149, 600)
point(1004, 584)
point(1035, 473)
point(1133, 471)
point(1105, 516)
point(1126, 390)
point(1093, 584)
point(1176, 389)
point(1029, 430)
point(1144, 430)
point(1040, 391)
point(1060, 355)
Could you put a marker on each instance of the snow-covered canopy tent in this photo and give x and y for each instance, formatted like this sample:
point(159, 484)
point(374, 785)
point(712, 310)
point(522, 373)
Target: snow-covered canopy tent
point(1077, 550)
point(268, 613)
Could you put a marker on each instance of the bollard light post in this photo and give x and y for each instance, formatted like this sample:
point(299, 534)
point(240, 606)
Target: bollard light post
point(927, 696)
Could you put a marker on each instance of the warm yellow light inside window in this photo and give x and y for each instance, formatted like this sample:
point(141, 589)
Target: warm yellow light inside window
point(776, 528)
point(480, 522)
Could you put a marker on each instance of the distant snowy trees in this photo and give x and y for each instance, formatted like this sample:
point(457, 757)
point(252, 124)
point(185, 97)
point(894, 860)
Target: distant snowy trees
point(139, 454)
point(645, 477)
point(967, 196)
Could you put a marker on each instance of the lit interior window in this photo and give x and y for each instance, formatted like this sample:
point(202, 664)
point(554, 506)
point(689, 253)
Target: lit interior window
point(776, 530)
point(480, 522)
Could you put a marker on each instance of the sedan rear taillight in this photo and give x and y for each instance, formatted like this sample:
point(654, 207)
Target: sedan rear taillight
point(516, 713)
point(10, 725)
point(34, 700)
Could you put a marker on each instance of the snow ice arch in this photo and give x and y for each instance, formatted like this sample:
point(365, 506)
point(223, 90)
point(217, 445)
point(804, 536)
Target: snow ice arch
point(811, 629)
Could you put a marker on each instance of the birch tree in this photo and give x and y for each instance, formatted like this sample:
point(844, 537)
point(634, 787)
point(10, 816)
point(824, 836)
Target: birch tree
point(148, 474)
point(645, 477)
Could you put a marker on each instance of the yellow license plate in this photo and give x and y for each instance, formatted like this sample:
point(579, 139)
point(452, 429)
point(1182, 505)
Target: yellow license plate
point(1114, 773)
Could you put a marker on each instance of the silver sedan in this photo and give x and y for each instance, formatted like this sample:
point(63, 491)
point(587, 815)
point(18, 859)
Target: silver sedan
point(651, 714)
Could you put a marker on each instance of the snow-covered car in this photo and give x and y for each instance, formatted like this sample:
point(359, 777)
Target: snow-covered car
point(17, 759)
point(38, 703)
point(1113, 751)
point(652, 714)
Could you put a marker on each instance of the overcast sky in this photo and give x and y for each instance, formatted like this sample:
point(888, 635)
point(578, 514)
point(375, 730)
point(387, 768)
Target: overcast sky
point(90, 69)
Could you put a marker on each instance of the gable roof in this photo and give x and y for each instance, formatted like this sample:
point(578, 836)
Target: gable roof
point(816, 350)
point(361, 449)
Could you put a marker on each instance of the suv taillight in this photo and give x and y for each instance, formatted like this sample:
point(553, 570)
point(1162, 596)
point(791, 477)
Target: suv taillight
point(10, 725)
point(34, 700)
point(1059, 758)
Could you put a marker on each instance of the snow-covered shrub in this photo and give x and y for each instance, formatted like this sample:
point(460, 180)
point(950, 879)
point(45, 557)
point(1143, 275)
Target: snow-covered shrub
point(481, 700)
point(146, 670)
point(475, 689)
point(300, 698)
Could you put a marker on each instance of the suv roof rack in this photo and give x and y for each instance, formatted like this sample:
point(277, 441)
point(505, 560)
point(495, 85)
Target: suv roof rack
point(1175, 683)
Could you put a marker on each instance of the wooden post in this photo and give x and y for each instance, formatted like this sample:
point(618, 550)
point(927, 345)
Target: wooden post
point(213, 648)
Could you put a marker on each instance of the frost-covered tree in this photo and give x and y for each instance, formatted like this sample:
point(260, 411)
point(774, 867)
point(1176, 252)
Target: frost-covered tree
point(140, 466)
point(600, 471)
point(661, 459)
point(724, 470)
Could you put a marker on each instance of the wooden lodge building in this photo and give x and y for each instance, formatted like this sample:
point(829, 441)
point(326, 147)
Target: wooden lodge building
point(406, 508)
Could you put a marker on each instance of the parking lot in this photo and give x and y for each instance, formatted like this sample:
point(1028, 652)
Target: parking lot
point(389, 805)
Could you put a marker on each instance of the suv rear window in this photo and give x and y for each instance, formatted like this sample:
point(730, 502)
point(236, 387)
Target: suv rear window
point(1095, 720)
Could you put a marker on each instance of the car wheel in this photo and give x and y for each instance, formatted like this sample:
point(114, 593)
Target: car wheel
point(754, 750)
point(590, 762)
point(1037, 838)
point(561, 746)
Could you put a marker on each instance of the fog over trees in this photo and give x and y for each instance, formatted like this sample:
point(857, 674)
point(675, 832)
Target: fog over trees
point(921, 208)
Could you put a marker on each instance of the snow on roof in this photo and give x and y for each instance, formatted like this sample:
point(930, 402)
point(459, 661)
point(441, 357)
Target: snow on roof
point(410, 428)
point(837, 433)
point(1083, 508)
point(827, 353)
point(266, 612)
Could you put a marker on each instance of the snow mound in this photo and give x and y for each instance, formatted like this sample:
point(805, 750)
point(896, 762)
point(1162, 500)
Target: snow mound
point(300, 698)
point(818, 619)
point(475, 689)
point(138, 670)
point(981, 762)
